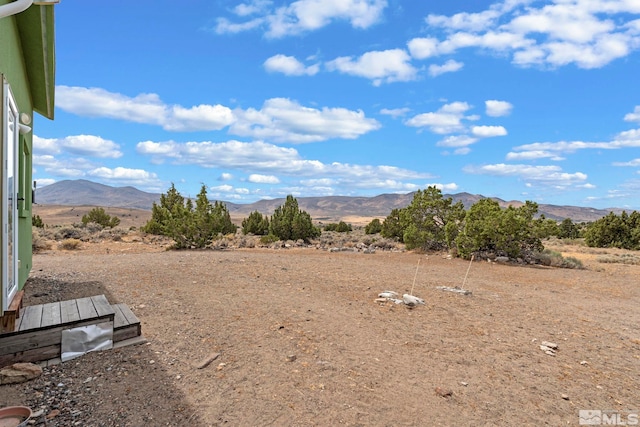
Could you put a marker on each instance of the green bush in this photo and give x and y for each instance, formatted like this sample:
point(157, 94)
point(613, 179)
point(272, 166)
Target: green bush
point(189, 226)
point(375, 226)
point(392, 227)
point(256, 224)
point(431, 221)
point(36, 221)
point(509, 232)
point(268, 239)
point(341, 227)
point(613, 231)
point(288, 222)
point(99, 216)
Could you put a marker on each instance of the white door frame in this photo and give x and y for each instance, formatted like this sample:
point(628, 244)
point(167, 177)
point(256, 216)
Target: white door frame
point(9, 247)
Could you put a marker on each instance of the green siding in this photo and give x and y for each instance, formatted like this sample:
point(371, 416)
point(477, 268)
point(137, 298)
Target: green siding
point(27, 64)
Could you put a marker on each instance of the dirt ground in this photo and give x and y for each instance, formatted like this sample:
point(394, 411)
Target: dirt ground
point(303, 342)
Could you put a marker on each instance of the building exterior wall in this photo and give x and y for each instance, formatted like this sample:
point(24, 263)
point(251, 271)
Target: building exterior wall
point(13, 70)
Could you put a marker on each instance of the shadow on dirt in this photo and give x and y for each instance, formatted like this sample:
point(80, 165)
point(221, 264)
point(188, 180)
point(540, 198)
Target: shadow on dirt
point(125, 386)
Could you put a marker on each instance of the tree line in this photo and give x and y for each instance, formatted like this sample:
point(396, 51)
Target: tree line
point(429, 222)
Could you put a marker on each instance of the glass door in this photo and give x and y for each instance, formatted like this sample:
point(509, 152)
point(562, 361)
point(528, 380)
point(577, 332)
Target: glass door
point(9, 199)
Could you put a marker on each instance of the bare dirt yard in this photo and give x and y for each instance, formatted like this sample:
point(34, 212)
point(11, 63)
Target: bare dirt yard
point(302, 341)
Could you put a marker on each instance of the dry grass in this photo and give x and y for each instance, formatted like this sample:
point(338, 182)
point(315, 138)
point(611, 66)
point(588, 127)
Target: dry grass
point(629, 258)
point(69, 244)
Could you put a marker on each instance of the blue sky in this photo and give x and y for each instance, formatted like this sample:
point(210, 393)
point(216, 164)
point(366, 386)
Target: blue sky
point(517, 99)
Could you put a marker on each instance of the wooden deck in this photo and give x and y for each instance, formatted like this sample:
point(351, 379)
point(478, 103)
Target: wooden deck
point(38, 329)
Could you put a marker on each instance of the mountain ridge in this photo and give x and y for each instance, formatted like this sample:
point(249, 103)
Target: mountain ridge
point(327, 208)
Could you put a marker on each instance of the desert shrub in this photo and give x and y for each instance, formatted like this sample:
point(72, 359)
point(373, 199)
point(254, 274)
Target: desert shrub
point(99, 216)
point(188, 225)
point(36, 221)
point(552, 258)
point(113, 234)
point(505, 232)
point(568, 230)
point(288, 222)
point(93, 227)
point(68, 233)
point(268, 239)
point(375, 226)
point(392, 225)
point(431, 221)
point(39, 242)
point(546, 228)
point(256, 224)
point(572, 262)
point(341, 227)
point(629, 259)
point(69, 244)
point(615, 231)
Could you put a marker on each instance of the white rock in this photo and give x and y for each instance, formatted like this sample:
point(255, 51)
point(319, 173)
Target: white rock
point(412, 301)
point(388, 294)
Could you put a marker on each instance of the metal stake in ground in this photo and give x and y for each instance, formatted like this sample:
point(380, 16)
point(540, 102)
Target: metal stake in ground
point(414, 277)
point(469, 268)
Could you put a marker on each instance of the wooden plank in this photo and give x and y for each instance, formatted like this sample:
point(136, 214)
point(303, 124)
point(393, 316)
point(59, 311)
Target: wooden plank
point(128, 314)
point(69, 311)
point(119, 321)
point(27, 340)
point(102, 306)
point(31, 355)
point(32, 317)
point(86, 308)
point(126, 332)
point(8, 322)
point(16, 303)
point(50, 314)
point(10, 318)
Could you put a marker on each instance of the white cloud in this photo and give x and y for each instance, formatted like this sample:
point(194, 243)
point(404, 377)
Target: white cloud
point(457, 141)
point(445, 188)
point(533, 155)
point(267, 159)
point(283, 120)
point(395, 112)
point(465, 21)
point(120, 174)
point(379, 66)
point(587, 33)
point(495, 108)
point(626, 139)
point(633, 117)
point(450, 66)
point(252, 7)
point(201, 117)
point(541, 175)
point(488, 131)
point(80, 145)
point(422, 48)
point(143, 108)
point(447, 119)
point(228, 192)
point(304, 15)
point(225, 176)
point(280, 119)
point(263, 179)
point(289, 66)
point(633, 163)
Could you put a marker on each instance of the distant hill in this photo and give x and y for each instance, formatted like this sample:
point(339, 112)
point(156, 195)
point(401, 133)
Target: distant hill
point(329, 208)
point(87, 193)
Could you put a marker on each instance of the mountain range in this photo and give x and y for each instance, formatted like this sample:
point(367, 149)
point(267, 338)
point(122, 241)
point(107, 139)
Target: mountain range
point(327, 208)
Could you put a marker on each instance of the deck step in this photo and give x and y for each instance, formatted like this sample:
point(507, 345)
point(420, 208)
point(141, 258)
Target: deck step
point(38, 331)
